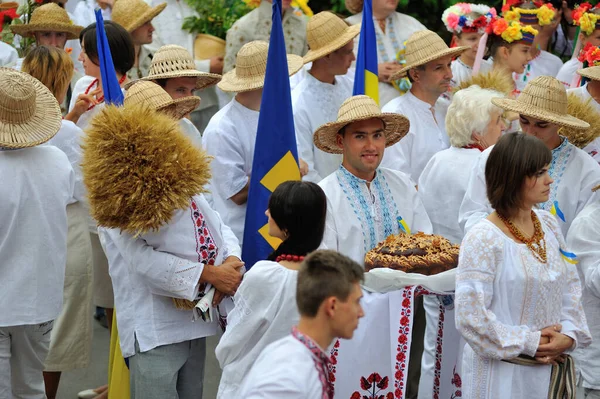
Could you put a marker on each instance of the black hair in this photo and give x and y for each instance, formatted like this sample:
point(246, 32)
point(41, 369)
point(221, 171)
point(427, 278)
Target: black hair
point(299, 209)
point(119, 41)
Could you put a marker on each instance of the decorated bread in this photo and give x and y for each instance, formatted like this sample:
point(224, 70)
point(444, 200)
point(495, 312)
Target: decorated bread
point(418, 253)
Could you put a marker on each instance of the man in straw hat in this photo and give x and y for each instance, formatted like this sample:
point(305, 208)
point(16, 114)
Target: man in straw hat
point(231, 134)
point(317, 99)
point(542, 109)
point(256, 25)
point(136, 17)
point(392, 30)
point(428, 67)
point(38, 185)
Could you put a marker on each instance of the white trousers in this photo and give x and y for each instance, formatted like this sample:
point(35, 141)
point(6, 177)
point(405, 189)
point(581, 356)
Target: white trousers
point(23, 350)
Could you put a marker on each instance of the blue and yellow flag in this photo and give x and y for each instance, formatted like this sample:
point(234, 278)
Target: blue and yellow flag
point(275, 153)
point(366, 80)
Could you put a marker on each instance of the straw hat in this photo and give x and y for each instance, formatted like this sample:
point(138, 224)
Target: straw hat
point(326, 33)
point(422, 47)
point(354, 6)
point(360, 108)
point(154, 96)
point(543, 98)
point(174, 61)
point(592, 73)
point(251, 67)
point(131, 14)
point(29, 112)
point(48, 18)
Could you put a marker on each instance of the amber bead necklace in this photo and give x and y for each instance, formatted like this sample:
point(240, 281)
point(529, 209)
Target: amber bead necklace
point(536, 243)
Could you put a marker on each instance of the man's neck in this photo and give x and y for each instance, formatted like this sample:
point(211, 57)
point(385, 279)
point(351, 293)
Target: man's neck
point(367, 176)
point(137, 48)
point(428, 97)
point(315, 329)
point(320, 72)
point(250, 99)
point(380, 14)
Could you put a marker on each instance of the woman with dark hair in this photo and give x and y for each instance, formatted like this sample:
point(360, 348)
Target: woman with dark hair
point(265, 303)
point(518, 296)
point(87, 98)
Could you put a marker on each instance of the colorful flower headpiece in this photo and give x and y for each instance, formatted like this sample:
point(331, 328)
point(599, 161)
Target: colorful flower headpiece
point(537, 13)
point(513, 31)
point(586, 20)
point(465, 17)
point(590, 55)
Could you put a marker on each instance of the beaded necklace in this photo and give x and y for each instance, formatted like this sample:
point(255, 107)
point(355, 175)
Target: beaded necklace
point(101, 98)
point(536, 243)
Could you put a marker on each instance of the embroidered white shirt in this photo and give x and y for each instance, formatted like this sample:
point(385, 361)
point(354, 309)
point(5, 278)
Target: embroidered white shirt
point(427, 134)
point(568, 71)
point(462, 72)
point(545, 64)
point(230, 137)
point(360, 216)
point(316, 103)
point(150, 270)
point(37, 185)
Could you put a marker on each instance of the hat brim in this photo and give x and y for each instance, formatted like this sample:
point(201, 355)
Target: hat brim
point(396, 127)
point(566, 120)
point(28, 30)
point(145, 17)
point(232, 83)
point(203, 79)
point(350, 33)
point(44, 124)
point(181, 107)
point(452, 51)
point(592, 73)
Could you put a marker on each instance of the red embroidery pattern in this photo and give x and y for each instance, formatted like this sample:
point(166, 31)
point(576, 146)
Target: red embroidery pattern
point(373, 385)
point(205, 244)
point(456, 382)
point(438, 353)
point(322, 362)
point(333, 357)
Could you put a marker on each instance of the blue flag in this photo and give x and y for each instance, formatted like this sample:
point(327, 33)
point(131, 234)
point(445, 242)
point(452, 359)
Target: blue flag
point(108, 76)
point(275, 153)
point(365, 79)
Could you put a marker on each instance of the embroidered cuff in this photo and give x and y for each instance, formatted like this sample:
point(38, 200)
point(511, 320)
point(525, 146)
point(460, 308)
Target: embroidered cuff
point(532, 341)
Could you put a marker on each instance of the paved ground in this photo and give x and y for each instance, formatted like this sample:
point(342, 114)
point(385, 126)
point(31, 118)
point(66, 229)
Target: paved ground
point(74, 381)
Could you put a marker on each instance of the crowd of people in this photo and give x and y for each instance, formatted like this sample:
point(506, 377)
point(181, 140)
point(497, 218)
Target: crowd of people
point(491, 142)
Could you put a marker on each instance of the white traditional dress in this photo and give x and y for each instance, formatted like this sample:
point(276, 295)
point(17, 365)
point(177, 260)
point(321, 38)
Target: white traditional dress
point(504, 298)
point(229, 138)
point(316, 103)
point(462, 72)
point(398, 28)
point(584, 241)
point(265, 311)
point(545, 64)
point(427, 134)
point(294, 367)
point(442, 186)
point(568, 72)
point(574, 173)
point(360, 214)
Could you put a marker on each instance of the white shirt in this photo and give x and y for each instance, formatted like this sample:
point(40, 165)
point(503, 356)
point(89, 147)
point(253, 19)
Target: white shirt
point(84, 12)
point(427, 134)
point(188, 128)
point(584, 240)
point(316, 103)
point(284, 370)
point(574, 173)
point(442, 186)
point(568, 72)
point(582, 92)
point(150, 270)
point(359, 216)
point(8, 54)
point(398, 29)
point(265, 311)
point(37, 186)
point(230, 137)
point(82, 85)
point(545, 64)
point(504, 298)
point(462, 72)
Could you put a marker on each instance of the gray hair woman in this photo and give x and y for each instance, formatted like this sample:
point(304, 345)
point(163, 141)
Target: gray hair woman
point(473, 123)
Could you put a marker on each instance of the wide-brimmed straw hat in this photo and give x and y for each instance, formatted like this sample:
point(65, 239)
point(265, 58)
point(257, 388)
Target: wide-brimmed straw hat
point(543, 98)
point(48, 18)
point(131, 14)
point(251, 66)
point(422, 47)
point(354, 6)
point(592, 73)
point(29, 112)
point(154, 96)
point(172, 61)
point(360, 108)
point(326, 33)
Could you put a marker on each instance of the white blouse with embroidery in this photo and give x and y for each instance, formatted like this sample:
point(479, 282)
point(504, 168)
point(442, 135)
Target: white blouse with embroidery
point(504, 298)
point(545, 64)
point(568, 71)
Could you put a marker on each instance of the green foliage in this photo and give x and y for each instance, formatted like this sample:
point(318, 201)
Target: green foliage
point(214, 17)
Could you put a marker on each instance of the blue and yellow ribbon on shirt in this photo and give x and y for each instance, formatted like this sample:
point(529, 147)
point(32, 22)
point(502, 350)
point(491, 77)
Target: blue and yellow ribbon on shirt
point(402, 225)
point(556, 211)
point(569, 257)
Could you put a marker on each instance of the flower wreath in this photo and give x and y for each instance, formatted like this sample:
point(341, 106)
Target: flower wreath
point(586, 20)
point(542, 15)
point(460, 18)
point(590, 55)
point(512, 31)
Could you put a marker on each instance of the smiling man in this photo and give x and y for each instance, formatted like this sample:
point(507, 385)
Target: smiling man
point(428, 66)
point(366, 203)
